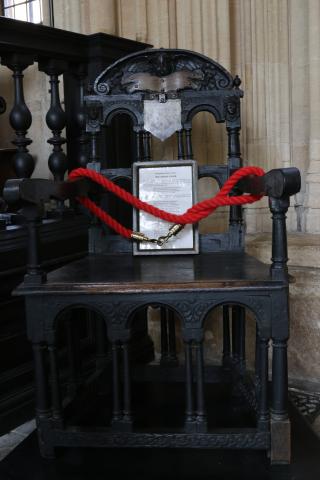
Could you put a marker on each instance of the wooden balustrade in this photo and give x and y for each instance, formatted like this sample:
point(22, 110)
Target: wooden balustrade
point(76, 59)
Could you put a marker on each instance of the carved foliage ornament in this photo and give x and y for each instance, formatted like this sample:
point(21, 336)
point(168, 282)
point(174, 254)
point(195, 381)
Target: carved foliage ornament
point(162, 71)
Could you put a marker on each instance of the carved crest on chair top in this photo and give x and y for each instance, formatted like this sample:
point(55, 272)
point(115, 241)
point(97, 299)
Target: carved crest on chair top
point(162, 71)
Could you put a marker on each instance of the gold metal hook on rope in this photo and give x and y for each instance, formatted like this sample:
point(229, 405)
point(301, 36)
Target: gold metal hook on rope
point(173, 231)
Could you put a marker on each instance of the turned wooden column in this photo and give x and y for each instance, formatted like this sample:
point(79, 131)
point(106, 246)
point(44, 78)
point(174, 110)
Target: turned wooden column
point(279, 208)
point(55, 118)
point(75, 87)
point(20, 115)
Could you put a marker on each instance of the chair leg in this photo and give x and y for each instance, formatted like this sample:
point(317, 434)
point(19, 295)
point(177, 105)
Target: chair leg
point(263, 410)
point(57, 416)
point(280, 424)
point(43, 413)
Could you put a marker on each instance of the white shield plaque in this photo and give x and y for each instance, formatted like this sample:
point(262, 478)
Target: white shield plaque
point(162, 119)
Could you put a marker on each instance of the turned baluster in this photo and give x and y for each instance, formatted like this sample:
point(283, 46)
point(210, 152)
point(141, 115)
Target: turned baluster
point(56, 120)
point(139, 135)
point(234, 161)
point(55, 384)
point(146, 146)
point(94, 114)
point(189, 143)
point(116, 410)
point(168, 338)
point(164, 337)
point(127, 414)
point(263, 415)
point(181, 150)
point(235, 334)
point(20, 116)
point(226, 336)
point(75, 82)
point(279, 208)
point(189, 411)
point(201, 417)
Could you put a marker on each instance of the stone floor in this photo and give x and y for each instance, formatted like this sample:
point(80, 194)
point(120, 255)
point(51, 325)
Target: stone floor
point(25, 463)
point(307, 403)
point(12, 439)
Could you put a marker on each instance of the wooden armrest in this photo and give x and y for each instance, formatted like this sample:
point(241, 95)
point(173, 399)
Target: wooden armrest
point(38, 190)
point(277, 183)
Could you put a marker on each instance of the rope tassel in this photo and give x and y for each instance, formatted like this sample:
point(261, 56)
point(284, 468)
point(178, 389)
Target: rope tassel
point(193, 215)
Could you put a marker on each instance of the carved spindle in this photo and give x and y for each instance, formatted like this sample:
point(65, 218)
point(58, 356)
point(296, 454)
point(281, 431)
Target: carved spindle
point(116, 410)
point(164, 337)
point(83, 139)
point(55, 385)
point(94, 112)
point(263, 381)
point(226, 336)
point(234, 161)
point(235, 334)
point(257, 361)
point(189, 144)
point(138, 146)
point(279, 208)
point(181, 154)
point(242, 339)
point(146, 146)
point(279, 379)
point(168, 338)
point(172, 353)
point(234, 153)
point(35, 275)
point(127, 414)
point(201, 417)
point(20, 116)
point(40, 372)
point(56, 119)
point(94, 155)
point(189, 412)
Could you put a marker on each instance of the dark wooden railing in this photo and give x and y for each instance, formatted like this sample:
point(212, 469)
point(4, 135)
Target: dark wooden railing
point(76, 59)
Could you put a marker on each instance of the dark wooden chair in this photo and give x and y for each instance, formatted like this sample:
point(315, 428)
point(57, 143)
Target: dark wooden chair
point(115, 284)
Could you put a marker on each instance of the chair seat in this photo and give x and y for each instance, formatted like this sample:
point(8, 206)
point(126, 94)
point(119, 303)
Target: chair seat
point(96, 274)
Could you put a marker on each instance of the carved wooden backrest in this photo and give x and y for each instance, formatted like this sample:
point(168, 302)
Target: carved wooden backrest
point(162, 90)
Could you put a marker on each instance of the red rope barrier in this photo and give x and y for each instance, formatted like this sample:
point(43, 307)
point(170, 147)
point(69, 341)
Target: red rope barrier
point(192, 215)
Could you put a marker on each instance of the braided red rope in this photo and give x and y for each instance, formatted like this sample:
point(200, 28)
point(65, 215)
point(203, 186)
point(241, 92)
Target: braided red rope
point(192, 215)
